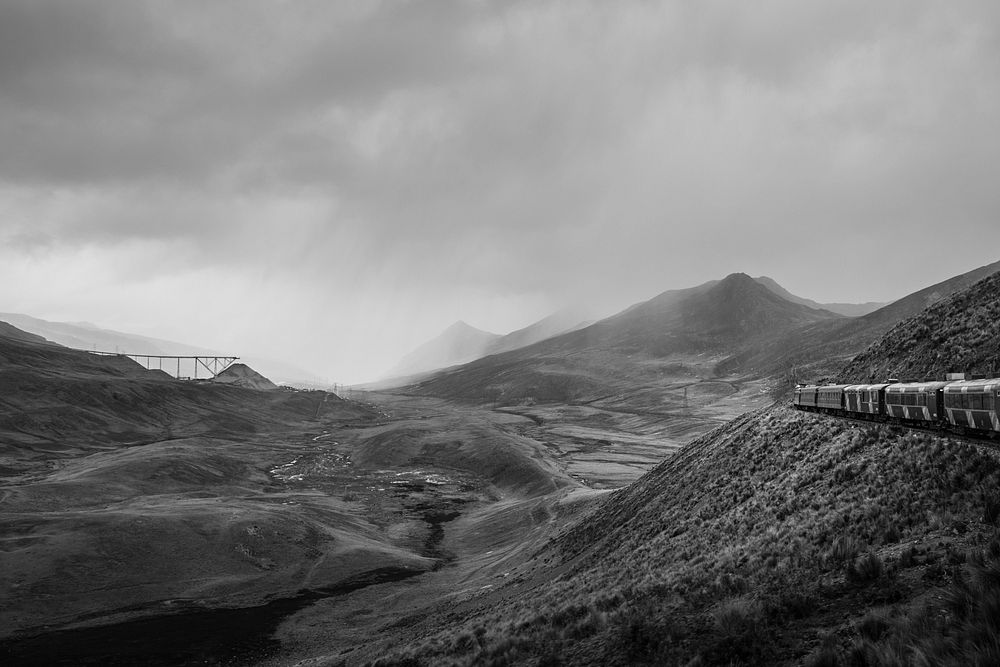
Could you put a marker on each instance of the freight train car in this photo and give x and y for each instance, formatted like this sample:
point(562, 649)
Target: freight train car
point(865, 399)
point(830, 398)
point(964, 406)
point(915, 401)
point(973, 404)
point(805, 397)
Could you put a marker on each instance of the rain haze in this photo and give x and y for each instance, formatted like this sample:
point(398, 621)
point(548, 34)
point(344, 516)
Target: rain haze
point(334, 183)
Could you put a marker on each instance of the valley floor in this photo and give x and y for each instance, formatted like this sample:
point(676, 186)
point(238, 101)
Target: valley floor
point(330, 529)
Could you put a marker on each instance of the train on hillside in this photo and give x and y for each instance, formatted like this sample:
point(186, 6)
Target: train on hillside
point(966, 407)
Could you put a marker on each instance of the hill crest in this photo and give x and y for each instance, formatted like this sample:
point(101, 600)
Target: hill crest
point(242, 375)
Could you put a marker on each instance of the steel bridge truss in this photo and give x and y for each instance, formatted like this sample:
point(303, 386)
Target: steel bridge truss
point(213, 365)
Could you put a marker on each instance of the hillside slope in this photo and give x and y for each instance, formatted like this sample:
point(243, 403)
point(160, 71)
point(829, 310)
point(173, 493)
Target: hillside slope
point(775, 538)
point(242, 375)
point(8, 330)
point(959, 333)
point(914, 303)
point(779, 538)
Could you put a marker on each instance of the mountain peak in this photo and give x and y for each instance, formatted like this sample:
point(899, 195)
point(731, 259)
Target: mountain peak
point(741, 284)
point(458, 344)
point(461, 326)
point(739, 306)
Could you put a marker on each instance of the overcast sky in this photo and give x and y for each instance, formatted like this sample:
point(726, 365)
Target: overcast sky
point(335, 182)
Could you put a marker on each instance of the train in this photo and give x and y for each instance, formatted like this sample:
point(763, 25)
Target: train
point(965, 407)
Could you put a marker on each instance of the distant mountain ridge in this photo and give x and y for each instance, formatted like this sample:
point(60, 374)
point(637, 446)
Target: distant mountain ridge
point(457, 344)
point(846, 309)
point(644, 324)
point(461, 343)
point(674, 332)
point(735, 309)
point(737, 326)
point(564, 321)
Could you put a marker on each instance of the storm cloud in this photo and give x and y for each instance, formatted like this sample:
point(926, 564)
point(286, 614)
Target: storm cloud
point(347, 179)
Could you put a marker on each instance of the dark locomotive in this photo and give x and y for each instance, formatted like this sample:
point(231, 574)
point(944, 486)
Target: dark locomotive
point(960, 406)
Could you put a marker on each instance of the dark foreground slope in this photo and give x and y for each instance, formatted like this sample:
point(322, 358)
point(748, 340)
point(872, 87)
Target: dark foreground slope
point(778, 538)
point(960, 333)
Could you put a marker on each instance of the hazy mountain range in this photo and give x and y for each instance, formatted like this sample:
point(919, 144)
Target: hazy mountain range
point(744, 325)
point(458, 344)
point(461, 343)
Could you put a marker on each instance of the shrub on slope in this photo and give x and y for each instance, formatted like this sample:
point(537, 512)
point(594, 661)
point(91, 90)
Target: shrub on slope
point(959, 333)
point(763, 541)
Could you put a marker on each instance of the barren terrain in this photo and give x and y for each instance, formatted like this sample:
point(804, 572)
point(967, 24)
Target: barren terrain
point(308, 523)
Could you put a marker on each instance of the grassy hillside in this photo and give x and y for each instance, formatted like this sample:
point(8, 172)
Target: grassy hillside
point(960, 333)
point(781, 537)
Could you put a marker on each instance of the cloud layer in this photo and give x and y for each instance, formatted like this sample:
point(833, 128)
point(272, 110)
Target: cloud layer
point(346, 179)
